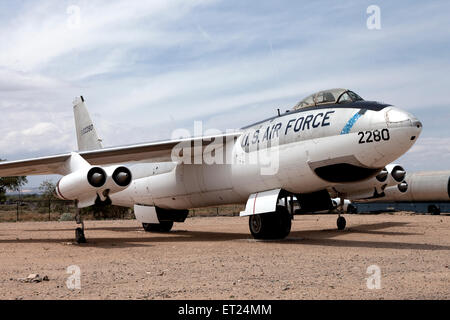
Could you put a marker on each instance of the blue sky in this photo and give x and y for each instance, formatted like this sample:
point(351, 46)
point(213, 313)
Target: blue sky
point(149, 67)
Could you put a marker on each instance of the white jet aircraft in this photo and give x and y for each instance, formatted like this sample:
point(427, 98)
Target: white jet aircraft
point(329, 139)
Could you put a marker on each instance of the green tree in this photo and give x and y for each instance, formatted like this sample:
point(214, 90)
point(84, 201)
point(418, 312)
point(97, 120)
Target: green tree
point(47, 189)
point(11, 184)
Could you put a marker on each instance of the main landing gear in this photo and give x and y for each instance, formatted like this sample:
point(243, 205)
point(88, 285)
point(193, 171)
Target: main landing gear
point(162, 226)
point(271, 225)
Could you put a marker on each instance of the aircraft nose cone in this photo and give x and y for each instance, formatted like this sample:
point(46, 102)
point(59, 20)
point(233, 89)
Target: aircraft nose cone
point(397, 118)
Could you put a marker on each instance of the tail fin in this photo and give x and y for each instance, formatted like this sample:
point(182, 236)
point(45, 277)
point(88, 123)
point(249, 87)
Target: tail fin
point(86, 134)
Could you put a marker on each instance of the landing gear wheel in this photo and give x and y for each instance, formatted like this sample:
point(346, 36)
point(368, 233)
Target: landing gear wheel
point(283, 222)
point(79, 235)
point(163, 226)
point(352, 209)
point(341, 223)
point(272, 225)
point(434, 210)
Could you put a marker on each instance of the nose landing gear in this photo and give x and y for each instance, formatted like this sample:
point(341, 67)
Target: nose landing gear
point(341, 222)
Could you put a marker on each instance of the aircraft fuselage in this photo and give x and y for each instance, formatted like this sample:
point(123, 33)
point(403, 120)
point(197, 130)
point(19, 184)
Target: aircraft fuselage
point(300, 151)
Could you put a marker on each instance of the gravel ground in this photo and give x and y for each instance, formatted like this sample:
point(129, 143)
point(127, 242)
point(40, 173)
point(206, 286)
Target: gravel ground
point(216, 258)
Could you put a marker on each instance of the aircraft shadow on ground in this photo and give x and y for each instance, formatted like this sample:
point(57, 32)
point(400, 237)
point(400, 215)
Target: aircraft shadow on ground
point(323, 237)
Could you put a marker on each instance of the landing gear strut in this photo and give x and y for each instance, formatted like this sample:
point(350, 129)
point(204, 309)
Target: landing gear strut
point(341, 220)
point(79, 232)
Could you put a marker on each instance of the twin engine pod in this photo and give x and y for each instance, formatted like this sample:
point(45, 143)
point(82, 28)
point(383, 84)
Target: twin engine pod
point(88, 183)
point(393, 174)
point(396, 176)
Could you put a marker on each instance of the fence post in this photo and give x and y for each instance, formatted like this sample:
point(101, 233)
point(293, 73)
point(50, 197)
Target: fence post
point(17, 215)
point(49, 208)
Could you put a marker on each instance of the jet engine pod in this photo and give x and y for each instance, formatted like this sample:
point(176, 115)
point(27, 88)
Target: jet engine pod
point(403, 187)
point(383, 175)
point(96, 177)
point(122, 176)
point(81, 184)
point(396, 174)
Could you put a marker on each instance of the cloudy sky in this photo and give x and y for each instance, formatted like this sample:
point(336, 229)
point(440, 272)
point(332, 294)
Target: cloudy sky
point(146, 68)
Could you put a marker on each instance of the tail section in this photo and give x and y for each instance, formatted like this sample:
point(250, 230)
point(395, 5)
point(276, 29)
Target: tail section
point(86, 134)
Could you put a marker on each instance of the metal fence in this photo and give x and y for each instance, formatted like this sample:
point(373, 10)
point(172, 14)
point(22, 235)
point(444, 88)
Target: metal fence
point(55, 210)
point(60, 210)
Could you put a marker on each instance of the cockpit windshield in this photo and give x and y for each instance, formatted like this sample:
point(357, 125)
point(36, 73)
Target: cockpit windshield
point(325, 97)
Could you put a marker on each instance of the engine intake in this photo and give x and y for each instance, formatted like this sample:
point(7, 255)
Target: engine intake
point(398, 173)
point(383, 175)
point(96, 177)
point(403, 187)
point(122, 176)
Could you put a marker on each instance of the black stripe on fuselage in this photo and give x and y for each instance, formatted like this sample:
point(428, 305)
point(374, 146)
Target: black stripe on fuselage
point(368, 105)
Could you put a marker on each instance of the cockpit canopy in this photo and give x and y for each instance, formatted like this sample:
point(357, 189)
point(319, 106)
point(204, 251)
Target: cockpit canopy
point(331, 96)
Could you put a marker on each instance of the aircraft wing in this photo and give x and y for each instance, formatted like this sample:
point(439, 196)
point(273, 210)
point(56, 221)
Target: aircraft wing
point(160, 151)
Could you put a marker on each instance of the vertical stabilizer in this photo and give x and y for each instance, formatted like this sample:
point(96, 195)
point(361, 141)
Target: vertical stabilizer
point(86, 134)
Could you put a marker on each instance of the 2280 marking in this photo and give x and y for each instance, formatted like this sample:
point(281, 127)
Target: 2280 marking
point(373, 136)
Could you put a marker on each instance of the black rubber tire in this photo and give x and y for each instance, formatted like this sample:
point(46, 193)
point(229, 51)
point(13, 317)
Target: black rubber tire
point(163, 226)
point(79, 236)
point(434, 210)
point(272, 225)
point(283, 220)
point(352, 209)
point(341, 223)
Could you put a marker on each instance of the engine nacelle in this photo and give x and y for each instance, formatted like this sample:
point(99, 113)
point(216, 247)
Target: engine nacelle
point(88, 184)
point(80, 184)
point(391, 175)
point(396, 174)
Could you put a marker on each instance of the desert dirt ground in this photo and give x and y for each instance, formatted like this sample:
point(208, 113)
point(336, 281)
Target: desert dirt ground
point(216, 258)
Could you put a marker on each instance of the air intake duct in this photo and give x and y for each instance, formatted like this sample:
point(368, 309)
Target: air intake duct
point(122, 176)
